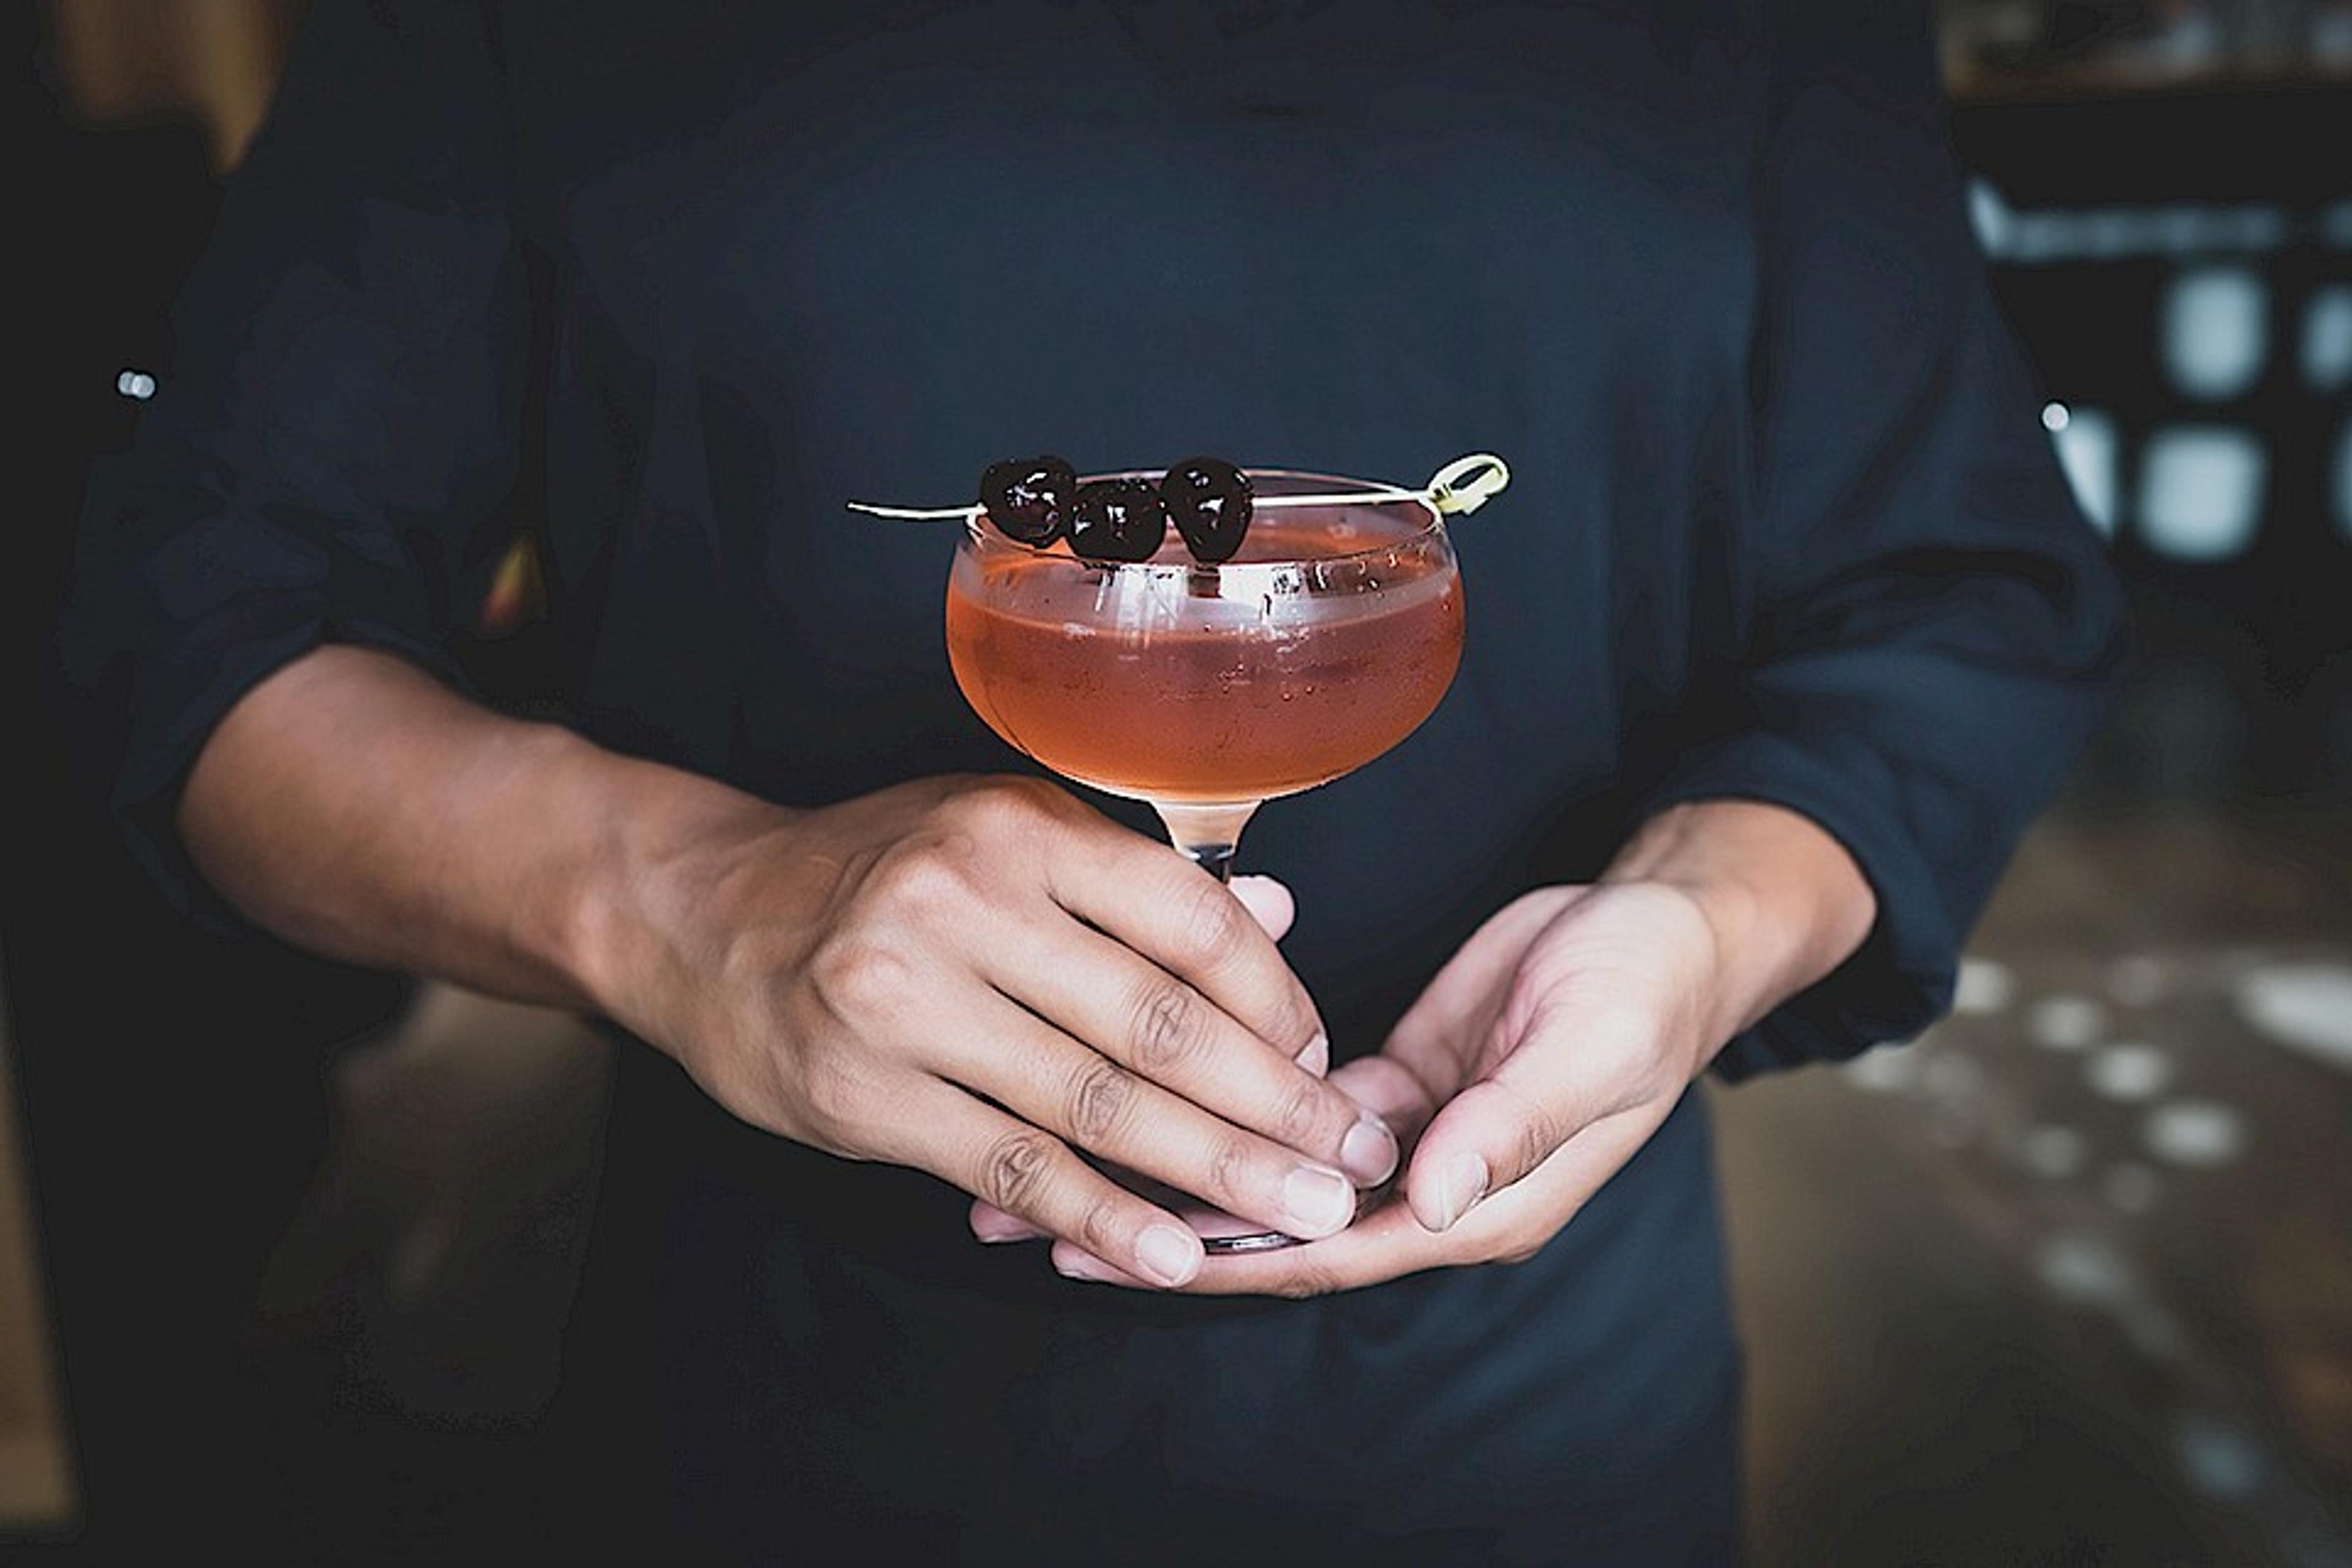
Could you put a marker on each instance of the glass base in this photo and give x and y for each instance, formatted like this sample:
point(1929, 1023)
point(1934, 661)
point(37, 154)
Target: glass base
point(1220, 1233)
point(1207, 1226)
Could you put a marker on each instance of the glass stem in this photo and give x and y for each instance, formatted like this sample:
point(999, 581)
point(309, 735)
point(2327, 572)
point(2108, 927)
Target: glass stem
point(1207, 835)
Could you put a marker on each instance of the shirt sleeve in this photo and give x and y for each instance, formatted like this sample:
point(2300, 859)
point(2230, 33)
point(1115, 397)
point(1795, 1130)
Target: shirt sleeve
point(1936, 630)
point(332, 451)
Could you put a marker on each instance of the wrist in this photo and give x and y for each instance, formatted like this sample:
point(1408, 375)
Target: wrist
point(654, 854)
point(1783, 900)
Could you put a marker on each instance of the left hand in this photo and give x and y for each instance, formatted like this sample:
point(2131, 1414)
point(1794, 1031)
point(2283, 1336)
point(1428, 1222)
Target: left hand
point(1542, 1056)
point(1558, 1038)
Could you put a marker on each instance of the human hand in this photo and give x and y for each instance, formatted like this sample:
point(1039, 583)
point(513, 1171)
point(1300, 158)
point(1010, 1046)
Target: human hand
point(1563, 1034)
point(980, 978)
point(1539, 1059)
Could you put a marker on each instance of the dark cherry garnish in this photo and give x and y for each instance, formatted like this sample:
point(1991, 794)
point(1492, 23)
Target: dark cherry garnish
point(1028, 499)
point(1211, 502)
point(1117, 520)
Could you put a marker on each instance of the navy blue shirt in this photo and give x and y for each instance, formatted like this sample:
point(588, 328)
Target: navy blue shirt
point(662, 288)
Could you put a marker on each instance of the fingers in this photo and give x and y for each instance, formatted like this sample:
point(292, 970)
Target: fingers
point(1148, 898)
point(1383, 1245)
point(993, 1225)
point(1440, 1034)
point(1391, 1090)
point(1437, 1048)
point(1558, 1076)
point(1390, 1242)
point(1268, 902)
point(1051, 1080)
point(1035, 1178)
point(1453, 1174)
point(1271, 905)
point(1381, 1084)
point(1164, 1032)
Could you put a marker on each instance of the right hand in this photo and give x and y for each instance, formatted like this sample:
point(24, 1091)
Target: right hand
point(979, 977)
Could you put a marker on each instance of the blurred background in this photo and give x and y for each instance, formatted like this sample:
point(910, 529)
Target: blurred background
point(2068, 1280)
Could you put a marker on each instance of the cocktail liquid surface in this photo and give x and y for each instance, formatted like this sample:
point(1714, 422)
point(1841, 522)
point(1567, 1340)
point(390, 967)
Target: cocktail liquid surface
point(1209, 684)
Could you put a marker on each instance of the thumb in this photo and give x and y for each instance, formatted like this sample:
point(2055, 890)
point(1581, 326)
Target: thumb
point(1529, 1101)
point(1268, 902)
point(1477, 1144)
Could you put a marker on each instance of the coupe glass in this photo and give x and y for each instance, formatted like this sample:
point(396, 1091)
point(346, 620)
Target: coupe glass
point(1207, 690)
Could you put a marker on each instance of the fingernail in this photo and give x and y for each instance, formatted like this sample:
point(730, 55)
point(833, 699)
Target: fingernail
point(1318, 1202)
point(1084, 1266)
point(1316, 1057)
point(1369, 1152)
point(1167, 1255)
point(1465, 1184)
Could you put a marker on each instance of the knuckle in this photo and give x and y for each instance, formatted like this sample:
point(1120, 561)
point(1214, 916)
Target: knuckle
point(1013, 1170)
point(930, 876)
point(1165, 1027)
point(1001, 810)
point(1538, 1137)
point(1540, 1130)
point(1229, 1169)
point(1301, 1022)
point(859, 977)
point(1213, 929)
point(1102, 1230)
point(1101, 1096)
point(1304, 1112)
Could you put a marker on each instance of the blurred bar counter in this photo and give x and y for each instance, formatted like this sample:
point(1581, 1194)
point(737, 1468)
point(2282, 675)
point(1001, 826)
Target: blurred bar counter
point(2069, 1279)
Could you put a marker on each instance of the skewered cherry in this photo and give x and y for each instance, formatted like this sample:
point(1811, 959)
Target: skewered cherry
point(1029, 499)
point(1118, 520)
point(1211, 502)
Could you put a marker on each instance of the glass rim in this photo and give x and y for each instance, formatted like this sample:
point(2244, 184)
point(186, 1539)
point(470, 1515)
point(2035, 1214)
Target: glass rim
point(977, 532)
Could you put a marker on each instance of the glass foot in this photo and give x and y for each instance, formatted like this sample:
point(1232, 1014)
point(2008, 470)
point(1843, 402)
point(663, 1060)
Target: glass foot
point(1220, 1233)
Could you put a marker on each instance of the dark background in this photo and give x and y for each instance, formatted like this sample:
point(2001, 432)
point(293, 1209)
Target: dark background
point(176, 1091)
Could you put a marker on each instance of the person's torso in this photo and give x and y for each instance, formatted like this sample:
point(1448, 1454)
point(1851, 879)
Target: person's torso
point(801, 262)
